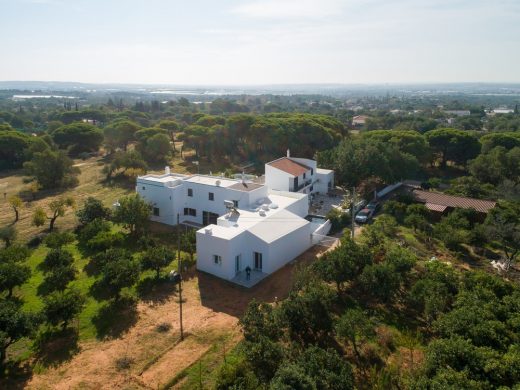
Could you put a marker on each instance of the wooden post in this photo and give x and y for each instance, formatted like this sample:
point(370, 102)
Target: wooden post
point(179, 269)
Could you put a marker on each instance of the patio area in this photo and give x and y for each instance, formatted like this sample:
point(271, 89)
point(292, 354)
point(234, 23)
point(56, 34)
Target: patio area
point(322, 203)
point(256, 276)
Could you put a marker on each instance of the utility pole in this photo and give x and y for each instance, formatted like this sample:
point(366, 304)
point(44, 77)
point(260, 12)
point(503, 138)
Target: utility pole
point(179, 268)
point(353, 212)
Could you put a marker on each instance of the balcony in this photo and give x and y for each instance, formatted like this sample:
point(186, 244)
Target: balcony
point(306, 183)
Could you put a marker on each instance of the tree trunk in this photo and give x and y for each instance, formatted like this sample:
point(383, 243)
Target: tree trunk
point(3, 353)
point(51, 224)
point(17, 214)
point(10, 292)
point(356, 351)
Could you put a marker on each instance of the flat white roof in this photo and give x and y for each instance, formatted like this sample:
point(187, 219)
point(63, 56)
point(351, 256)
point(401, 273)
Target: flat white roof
point(324, 171)
point(276, 222)
point(277, 225)
point(211, 180)
point(165, 178)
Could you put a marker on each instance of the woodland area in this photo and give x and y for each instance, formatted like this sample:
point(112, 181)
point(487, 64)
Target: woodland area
point(413, 302)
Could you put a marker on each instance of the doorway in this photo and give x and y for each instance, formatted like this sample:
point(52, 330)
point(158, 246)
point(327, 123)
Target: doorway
point(258, 260)
point(238, 263)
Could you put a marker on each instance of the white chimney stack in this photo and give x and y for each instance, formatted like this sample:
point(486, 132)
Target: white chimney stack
point(288, 153)
point(167, 170)
point(243, 177)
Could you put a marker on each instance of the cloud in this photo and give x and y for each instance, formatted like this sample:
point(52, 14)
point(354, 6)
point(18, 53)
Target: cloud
point(289, 9)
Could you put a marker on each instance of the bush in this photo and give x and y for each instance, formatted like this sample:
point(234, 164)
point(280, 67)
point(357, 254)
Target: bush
point(93, 209)
point(57, 258)
point(57, 240)
point(110, 255)
point(338, 220)
point(236, 376)
point(395, 209)
point(105, 240)
point(92, 229)
point(59, 278)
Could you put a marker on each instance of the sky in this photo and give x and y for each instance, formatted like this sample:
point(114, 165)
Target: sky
point(259, 42)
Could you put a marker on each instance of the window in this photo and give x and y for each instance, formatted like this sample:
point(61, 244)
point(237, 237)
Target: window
point(311, 188)
point(190, 192)
point(190, 212)
point(144, 188)
point(235, 203)
point(312, 171)
point(217, 259)
point(238, 263)
point(258, 260)
point(211, 196)
point(304, 175)
point(209, 218)
point(156, 211)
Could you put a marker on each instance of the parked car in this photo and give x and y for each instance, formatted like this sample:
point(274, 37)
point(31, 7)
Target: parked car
point(364, 215)
point(375, 206)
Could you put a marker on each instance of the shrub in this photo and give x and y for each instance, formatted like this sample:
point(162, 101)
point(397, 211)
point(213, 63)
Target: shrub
point(105, 240)
point(57, 240)
point(92, 229)
point(57, 258)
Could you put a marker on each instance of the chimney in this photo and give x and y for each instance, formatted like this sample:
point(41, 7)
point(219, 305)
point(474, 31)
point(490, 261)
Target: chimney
point(167, 170)
point(288, 153)
point(243, 177)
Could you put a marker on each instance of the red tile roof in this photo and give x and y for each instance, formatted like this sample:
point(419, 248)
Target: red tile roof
point(290, 166)
point(436, 207)
point(438, 200)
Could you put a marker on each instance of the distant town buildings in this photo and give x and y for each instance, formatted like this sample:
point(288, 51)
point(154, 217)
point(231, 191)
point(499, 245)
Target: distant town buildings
point(458, 112)
point(359, 120)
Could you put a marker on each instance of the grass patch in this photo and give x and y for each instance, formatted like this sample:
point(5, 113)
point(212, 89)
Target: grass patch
point(203, 373)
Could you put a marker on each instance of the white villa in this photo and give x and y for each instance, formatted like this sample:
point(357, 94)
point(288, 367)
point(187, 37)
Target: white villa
point(243, 223)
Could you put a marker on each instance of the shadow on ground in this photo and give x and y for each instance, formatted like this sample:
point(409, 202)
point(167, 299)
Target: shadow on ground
point(115, 318)
point(56, 346)
point(226, 297)
point(153, 290)
point(15, 375)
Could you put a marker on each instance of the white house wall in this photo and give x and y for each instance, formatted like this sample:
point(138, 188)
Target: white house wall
point(300, 207)
point(208, 245)
point(164, 198)
point(287, 248)
point(322, 183)
point(277, 179)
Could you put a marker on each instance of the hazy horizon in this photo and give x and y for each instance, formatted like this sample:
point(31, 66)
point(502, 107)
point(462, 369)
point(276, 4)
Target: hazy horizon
point(261, 42)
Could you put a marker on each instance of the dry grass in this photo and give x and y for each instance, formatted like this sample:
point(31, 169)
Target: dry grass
point(91, 183)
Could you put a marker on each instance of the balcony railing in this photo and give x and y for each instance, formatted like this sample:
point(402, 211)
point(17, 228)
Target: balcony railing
point(306, 183)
